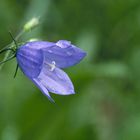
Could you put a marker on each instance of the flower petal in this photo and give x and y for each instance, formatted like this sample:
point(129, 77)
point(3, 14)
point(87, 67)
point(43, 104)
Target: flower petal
point(38, 45)
point(30, 61)
point(64, 54)
point(55, 80)
point(44, 90)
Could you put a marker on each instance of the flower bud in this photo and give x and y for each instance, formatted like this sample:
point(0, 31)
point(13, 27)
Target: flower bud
point(33, 39)
point(31, 24)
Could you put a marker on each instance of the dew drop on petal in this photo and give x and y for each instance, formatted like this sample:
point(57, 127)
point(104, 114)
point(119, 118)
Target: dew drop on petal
point(63, 43)
point(50, 51)
point(69, 53)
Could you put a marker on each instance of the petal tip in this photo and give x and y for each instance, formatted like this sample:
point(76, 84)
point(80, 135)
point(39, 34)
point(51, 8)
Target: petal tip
point(71, 92)
point(84, 54)
point(51, 99)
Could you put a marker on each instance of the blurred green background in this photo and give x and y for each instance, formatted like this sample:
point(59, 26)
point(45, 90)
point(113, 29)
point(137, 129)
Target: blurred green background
point(106, 105)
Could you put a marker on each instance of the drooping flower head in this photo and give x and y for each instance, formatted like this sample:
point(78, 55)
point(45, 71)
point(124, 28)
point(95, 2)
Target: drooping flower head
point(42, 61)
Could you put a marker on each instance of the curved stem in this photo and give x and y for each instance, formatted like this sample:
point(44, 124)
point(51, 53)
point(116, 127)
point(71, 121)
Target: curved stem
point(11, 57)
point(7, 49)
point(11, 46)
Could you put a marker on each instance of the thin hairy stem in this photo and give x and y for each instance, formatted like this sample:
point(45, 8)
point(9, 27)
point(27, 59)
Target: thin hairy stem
point(10, 58)
point(10, 46)
point(16, 71)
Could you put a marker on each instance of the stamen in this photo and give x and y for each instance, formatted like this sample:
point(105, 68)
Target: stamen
point(52, 66)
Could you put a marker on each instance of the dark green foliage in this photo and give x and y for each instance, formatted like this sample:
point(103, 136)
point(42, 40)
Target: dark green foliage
point(107, 82)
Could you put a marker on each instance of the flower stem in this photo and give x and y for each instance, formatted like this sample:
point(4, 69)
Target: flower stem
point(11, 46)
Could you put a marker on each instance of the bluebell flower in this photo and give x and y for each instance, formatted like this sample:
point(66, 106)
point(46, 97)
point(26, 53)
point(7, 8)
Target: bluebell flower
point(42, 61)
